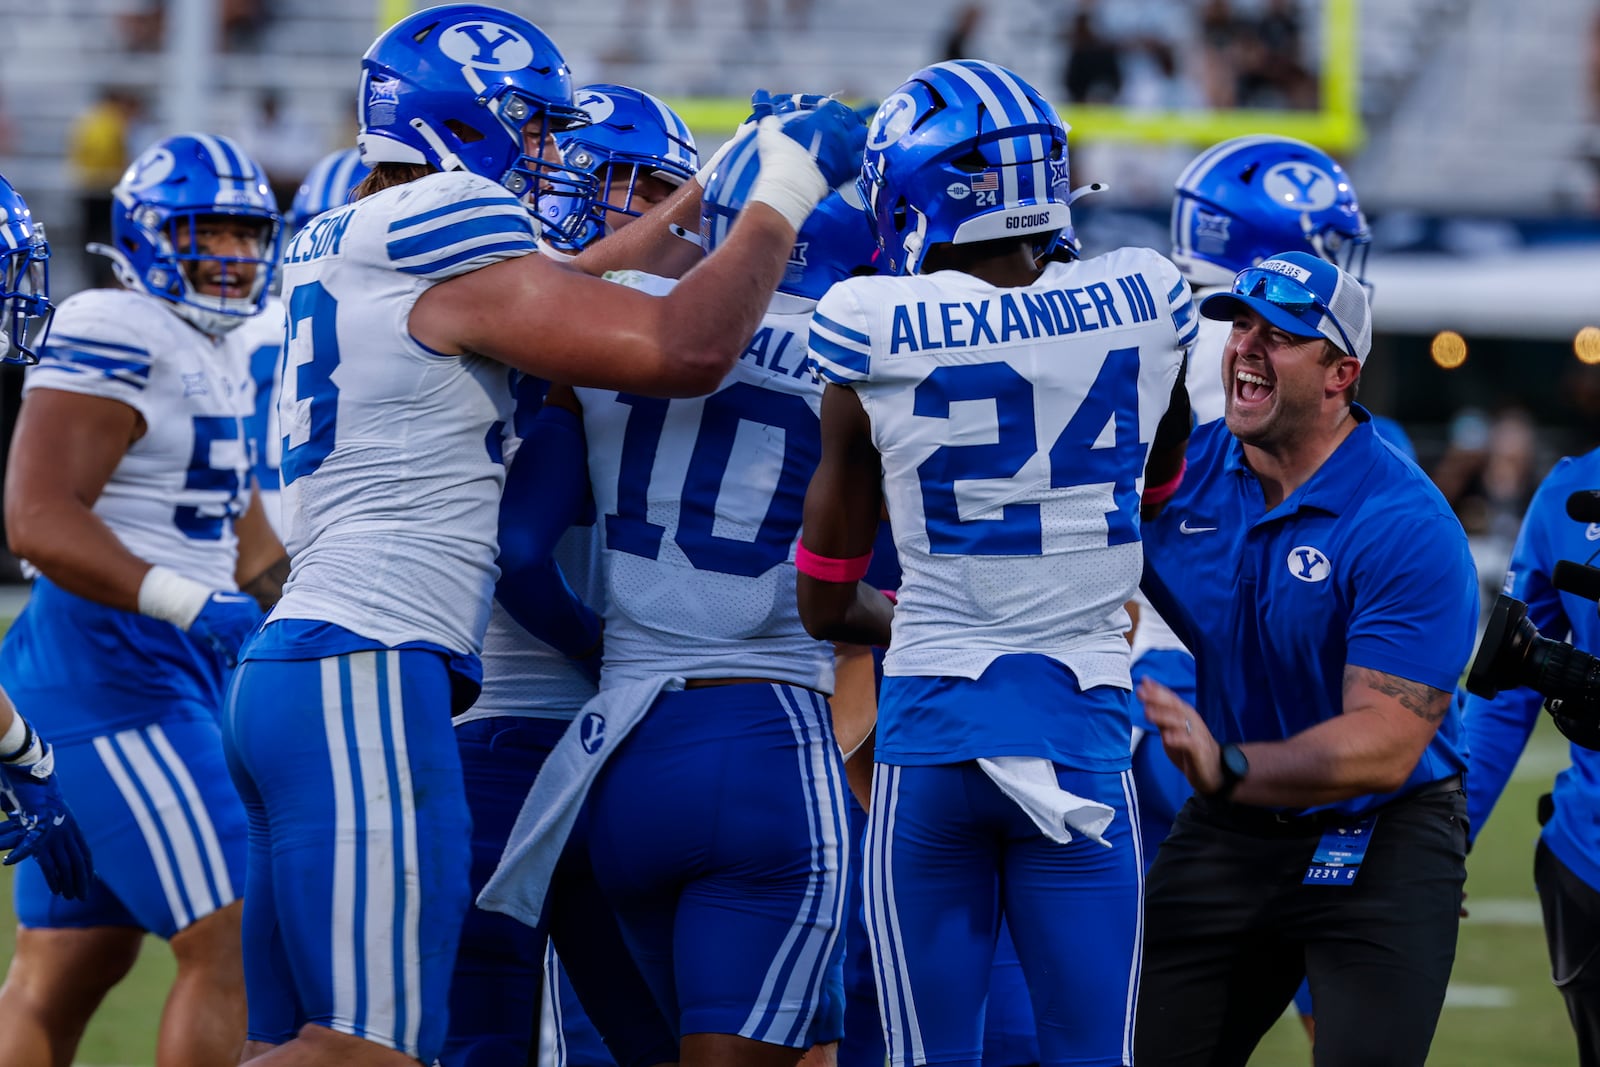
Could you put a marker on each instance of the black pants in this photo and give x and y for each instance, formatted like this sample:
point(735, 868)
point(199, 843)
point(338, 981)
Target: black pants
point(1572, 929)
point(1230, 930)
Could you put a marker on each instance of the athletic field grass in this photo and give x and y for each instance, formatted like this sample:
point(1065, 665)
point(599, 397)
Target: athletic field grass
point(1502, 1009)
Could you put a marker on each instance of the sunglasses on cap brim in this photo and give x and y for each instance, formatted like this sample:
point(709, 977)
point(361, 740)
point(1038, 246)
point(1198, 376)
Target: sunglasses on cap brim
point(1282, 291)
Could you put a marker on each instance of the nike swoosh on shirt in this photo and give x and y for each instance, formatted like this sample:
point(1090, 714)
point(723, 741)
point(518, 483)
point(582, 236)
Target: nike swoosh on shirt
point(1185, 528)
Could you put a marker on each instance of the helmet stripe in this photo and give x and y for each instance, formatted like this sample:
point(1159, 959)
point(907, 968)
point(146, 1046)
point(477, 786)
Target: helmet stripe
point(226, 168)
point(1030, 115)
point(969, 72)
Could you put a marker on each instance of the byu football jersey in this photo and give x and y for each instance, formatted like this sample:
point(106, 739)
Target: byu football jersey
point(261, 338)
point(392, 465)
point(1014, 424)
point(174, 494)
point(699, 503)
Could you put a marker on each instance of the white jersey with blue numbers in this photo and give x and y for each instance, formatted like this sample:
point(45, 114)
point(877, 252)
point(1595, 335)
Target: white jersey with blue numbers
point(261, 338)
point(1014, 425)
point(174, 494)
point(699, 505)
point(392, 464)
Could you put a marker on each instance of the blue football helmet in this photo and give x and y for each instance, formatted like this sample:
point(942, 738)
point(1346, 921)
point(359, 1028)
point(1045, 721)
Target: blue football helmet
point(834, 243)
point(1246, 199)
point(328, 185)
point(24, 279)
point(965, 151)
point(467, 87)
point(162, 197)
point(631, 133)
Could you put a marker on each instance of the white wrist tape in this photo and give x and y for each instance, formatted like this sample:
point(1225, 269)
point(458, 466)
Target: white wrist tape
point(790, 182)
point(19, 744)
point(167, 595)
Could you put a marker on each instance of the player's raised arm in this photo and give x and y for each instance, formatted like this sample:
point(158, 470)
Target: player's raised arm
point(681, 344)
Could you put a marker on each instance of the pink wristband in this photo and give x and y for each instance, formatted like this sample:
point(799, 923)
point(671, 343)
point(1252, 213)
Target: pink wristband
point(828, 569)
point(1160, 494)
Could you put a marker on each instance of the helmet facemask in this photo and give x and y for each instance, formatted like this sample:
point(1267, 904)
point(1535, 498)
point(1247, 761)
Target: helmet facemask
point(25, 298)
point(182, 269)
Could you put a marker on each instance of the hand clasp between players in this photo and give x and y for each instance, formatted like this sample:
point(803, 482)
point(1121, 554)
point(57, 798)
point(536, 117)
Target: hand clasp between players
point(1184, 734)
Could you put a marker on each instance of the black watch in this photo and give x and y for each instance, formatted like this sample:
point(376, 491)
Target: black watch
point(1235, 765)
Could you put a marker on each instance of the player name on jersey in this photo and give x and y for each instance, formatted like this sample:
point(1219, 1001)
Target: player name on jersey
point(1020, 316)
point(778, 351)
point(322, 237)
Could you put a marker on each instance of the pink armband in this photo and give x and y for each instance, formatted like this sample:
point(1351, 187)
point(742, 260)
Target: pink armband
point(828, 569)
point(1160, 494)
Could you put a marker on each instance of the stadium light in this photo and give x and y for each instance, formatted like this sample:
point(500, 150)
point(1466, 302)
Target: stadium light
point(1449, 349)
point(1586, 346)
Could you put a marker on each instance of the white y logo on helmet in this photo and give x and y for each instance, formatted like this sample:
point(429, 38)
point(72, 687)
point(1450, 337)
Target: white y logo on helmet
point(150, 170)
point(893, 119)
point(1300, 186)
point(486, 46)
point(598, 106)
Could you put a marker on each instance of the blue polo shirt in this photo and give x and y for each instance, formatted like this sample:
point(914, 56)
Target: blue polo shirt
point(1499, 728)
point(1363, 565)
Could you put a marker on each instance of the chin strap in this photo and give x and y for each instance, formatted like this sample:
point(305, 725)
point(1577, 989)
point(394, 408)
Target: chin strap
point(448, 160)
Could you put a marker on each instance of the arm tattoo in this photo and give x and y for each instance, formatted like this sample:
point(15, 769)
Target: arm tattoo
point(267, 587)
point(1423, 701)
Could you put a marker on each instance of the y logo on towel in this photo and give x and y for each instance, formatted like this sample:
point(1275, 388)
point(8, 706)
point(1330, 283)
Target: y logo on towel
point(593, 732)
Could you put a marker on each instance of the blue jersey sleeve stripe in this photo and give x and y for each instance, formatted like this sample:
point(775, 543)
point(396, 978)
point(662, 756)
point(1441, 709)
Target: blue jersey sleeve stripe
point(489, 252)
point(443, 237)
point(450, 209)
point(67, 359)
point(1187, 337)
point(90, 342)
point(843, 331)
point(831, 375)
point(1177, 291)
point(1181, 316)
point(828, 353)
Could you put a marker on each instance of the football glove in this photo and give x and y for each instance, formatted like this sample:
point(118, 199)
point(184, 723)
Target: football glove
point(830, 132)
point(41, 826)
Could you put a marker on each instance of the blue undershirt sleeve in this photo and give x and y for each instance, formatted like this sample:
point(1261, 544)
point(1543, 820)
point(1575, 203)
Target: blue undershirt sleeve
point(547, 488)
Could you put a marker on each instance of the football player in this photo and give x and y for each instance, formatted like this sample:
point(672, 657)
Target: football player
point(639, 151)
point(327, 186)
point(1005, 410)
point(128, 492)
point(405, 310)
point(726, 869)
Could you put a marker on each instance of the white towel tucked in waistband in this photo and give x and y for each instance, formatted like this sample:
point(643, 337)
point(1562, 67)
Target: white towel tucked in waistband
point(1030, 781)
point(519, 884)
